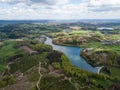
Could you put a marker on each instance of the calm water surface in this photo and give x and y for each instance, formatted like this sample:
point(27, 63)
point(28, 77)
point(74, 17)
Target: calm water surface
point(73, 53)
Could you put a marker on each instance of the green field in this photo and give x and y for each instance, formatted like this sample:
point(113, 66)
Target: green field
point(99, 45)
point(6, 52)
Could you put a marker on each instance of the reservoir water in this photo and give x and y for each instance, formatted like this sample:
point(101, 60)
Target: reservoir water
point(73, 53)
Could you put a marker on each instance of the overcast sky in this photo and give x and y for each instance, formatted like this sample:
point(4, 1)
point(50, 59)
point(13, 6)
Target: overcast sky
point(59, 9)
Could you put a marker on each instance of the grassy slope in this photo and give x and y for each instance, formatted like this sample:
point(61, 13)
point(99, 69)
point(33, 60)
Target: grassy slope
point(6, 52)
point(100, 45)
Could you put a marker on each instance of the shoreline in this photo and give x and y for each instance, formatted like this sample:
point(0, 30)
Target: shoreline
point(98, 70)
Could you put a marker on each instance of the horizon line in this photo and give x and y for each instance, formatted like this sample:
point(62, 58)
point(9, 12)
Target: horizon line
point(52, 19)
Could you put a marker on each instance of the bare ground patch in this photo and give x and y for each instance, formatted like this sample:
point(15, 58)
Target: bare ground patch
point(28, 50)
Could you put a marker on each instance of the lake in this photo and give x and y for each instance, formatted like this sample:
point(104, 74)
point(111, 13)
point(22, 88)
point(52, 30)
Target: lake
point(73, 53)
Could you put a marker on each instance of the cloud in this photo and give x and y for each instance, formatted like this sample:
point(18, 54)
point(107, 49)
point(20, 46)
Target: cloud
point(105, 8)
point(103, 2)
point(13, 1)
point(50, 2)
point(92, 5)
point(59, 9)
point(103, 5)
point(46, 2)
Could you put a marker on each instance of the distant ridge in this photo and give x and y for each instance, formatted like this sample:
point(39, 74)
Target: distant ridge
point(60, 21)
point(22, 21)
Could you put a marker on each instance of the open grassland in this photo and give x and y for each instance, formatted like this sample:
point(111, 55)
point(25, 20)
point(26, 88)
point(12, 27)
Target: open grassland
point(99, 45)
point(7, 51)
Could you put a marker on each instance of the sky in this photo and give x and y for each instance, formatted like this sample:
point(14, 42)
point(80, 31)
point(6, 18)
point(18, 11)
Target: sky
point(59, 9)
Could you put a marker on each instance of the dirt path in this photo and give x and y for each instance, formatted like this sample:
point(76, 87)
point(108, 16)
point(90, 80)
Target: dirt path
point(39, 72)
point(20, 84)
point(77, 86)
point(8, 68)
point(2, 75)
point(74, 84)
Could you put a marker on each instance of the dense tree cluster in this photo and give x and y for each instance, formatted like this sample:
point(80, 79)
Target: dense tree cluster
point(54, 56)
